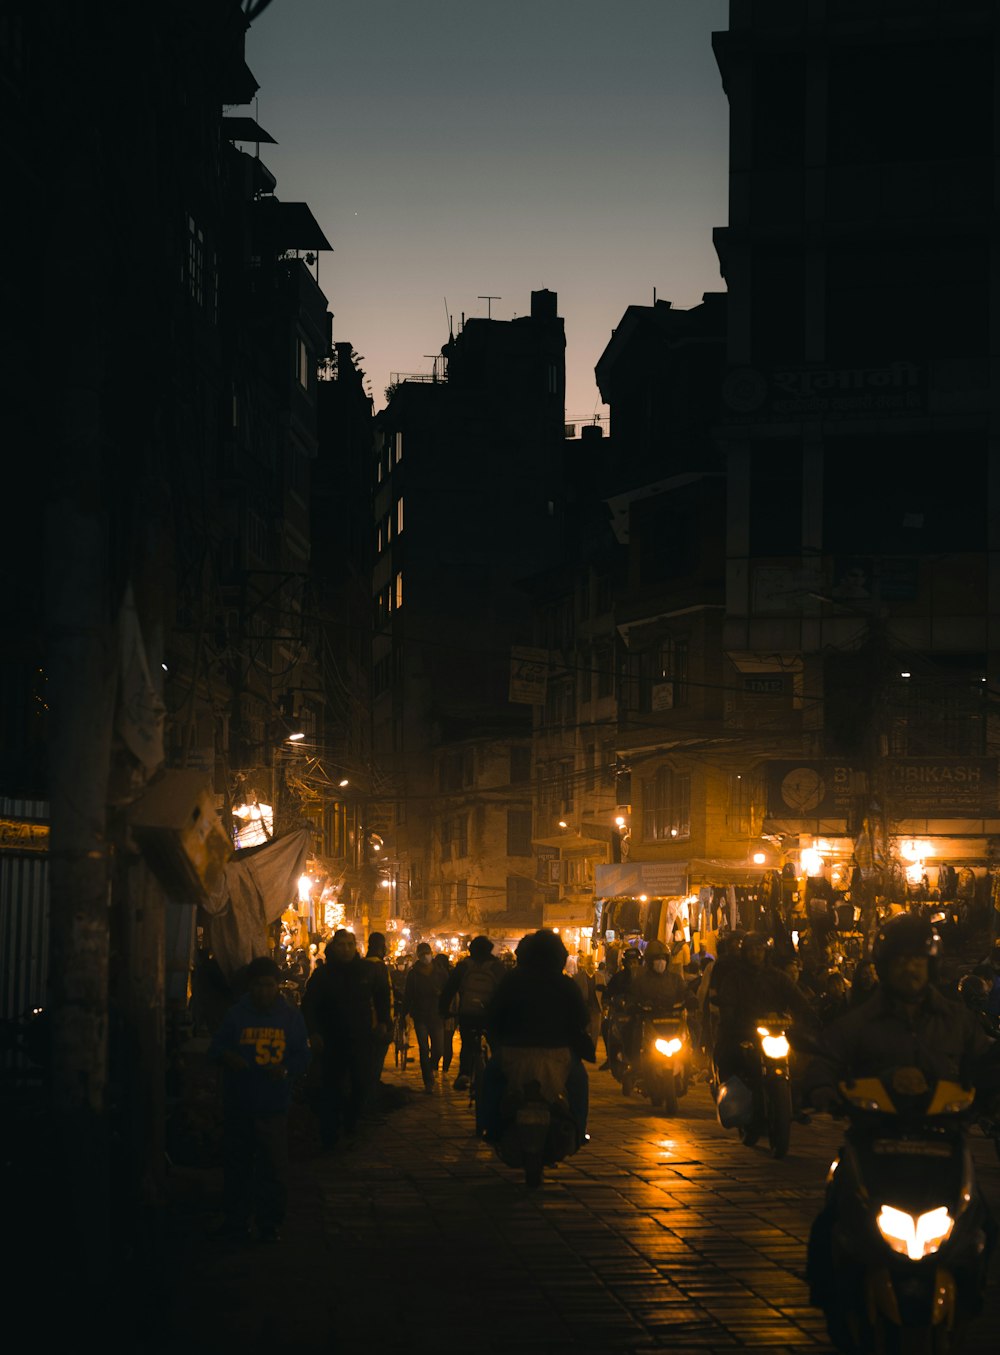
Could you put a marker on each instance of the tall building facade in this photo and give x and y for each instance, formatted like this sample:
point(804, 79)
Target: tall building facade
point(861, 448)
point(467, 504)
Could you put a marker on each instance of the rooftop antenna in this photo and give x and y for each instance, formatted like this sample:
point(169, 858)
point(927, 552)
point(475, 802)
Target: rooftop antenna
point(489, 304)
point(450, 321)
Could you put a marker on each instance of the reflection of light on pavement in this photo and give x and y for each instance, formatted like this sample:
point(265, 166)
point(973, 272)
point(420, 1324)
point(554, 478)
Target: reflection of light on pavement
point(666, 1145)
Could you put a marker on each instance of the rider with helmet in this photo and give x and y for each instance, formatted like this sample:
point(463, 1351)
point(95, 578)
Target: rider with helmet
point(907, 1022)
point(616, 999)
point(752, 989)
point(656, 988)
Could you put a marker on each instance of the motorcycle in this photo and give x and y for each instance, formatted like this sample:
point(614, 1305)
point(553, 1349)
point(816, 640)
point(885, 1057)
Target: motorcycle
point(538, 1129)
point(898, 1258)
point(662, 1067)
point(766, 1061)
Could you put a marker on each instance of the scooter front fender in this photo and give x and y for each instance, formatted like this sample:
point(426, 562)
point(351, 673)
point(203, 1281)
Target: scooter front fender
point(924, 1297)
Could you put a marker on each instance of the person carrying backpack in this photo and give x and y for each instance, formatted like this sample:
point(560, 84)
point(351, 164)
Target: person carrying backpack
point(474, 981)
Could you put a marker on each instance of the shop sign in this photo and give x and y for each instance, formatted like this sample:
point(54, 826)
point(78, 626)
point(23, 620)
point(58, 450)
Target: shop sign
point(819, 788)
point(826, 392)
point(660, 879)
point(932, 788)
point(21, 835)
point(942, 788)
point(529, 670)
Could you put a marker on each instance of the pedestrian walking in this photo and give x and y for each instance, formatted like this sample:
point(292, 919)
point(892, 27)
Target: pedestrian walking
point(344, 1008)
point(445, 969)
point(420, 1003)
point(472, 984)
point(382, 1036)
point(262, 1047)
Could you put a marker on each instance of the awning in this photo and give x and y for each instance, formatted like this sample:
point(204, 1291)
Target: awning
point(288, 225)
point(245, 129)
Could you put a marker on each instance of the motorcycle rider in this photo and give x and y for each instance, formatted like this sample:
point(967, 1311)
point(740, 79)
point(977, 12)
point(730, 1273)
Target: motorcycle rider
point(537, 1006)
point(615, 1003)
point(906, 1023)
point(657, 987)
point(748, 991)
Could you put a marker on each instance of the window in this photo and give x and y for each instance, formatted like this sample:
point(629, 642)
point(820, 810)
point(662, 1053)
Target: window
point(462, 897)
point(566, 784)
point(196, 262)
point(399, 515)
point(455, 837)
point(590, 773)
point(666, 806)
point(604, 669)
point(399, 448)
point(455, 770)
point(302, 371)
point(519, 893)
point(520, 766)
point(518, 832)
point(609, 766)
point(559, 701)
point(399, 591)
point(584, 661)
point(739, 811)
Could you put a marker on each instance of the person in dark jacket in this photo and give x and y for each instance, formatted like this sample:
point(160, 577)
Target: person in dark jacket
point(421, 995)
point(906, 1022)
point(615, 1004)
point(262, 1047)
point(473, 982)
point(344, 1004)
point(748, 991)
point(537, 1006)
point(375, 958)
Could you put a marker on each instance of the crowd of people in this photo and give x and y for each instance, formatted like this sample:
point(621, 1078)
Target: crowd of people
point(326, 1022)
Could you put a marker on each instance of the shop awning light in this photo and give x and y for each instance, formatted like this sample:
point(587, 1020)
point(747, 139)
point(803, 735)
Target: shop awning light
point(343, 782)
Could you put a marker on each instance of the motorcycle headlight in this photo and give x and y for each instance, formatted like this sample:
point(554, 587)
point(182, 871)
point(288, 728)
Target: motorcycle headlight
point(915, 1236)
point(774, 1046)
point(668, 1048)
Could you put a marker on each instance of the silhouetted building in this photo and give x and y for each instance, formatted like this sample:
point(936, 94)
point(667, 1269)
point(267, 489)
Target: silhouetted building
point(468, 501)
point(859, 448)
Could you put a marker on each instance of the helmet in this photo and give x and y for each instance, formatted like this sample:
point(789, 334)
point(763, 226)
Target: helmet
point(630, 953)
point(904, 934)
point(656, 950)
point(755, 939)
point(734, 1106)
point(974, 990)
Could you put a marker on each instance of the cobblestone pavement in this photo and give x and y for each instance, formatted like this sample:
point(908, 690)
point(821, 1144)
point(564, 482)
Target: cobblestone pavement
point(658, 1235)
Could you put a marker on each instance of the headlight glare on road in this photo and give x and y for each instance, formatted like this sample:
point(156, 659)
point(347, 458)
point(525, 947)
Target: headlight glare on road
point(774, 1046)
point(668, 1048)
point(914, 1236)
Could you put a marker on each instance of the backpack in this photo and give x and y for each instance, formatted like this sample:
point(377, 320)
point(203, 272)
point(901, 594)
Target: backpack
point(477, 987)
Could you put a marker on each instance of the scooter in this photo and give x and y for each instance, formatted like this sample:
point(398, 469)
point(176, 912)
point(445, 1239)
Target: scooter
point(537, 1128)
point(898, 1257)
point(662, 1069)
point(766, 1060)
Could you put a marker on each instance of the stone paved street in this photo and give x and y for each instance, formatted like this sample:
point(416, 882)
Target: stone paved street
point(659, 1235)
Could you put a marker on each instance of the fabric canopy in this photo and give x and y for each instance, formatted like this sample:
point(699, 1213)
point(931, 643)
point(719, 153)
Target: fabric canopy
point(258, 886)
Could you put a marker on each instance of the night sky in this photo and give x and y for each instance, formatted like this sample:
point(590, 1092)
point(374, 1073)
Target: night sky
point(455, 148)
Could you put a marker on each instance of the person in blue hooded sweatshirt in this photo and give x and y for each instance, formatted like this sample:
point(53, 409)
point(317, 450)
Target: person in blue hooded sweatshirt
point(263, 1047)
